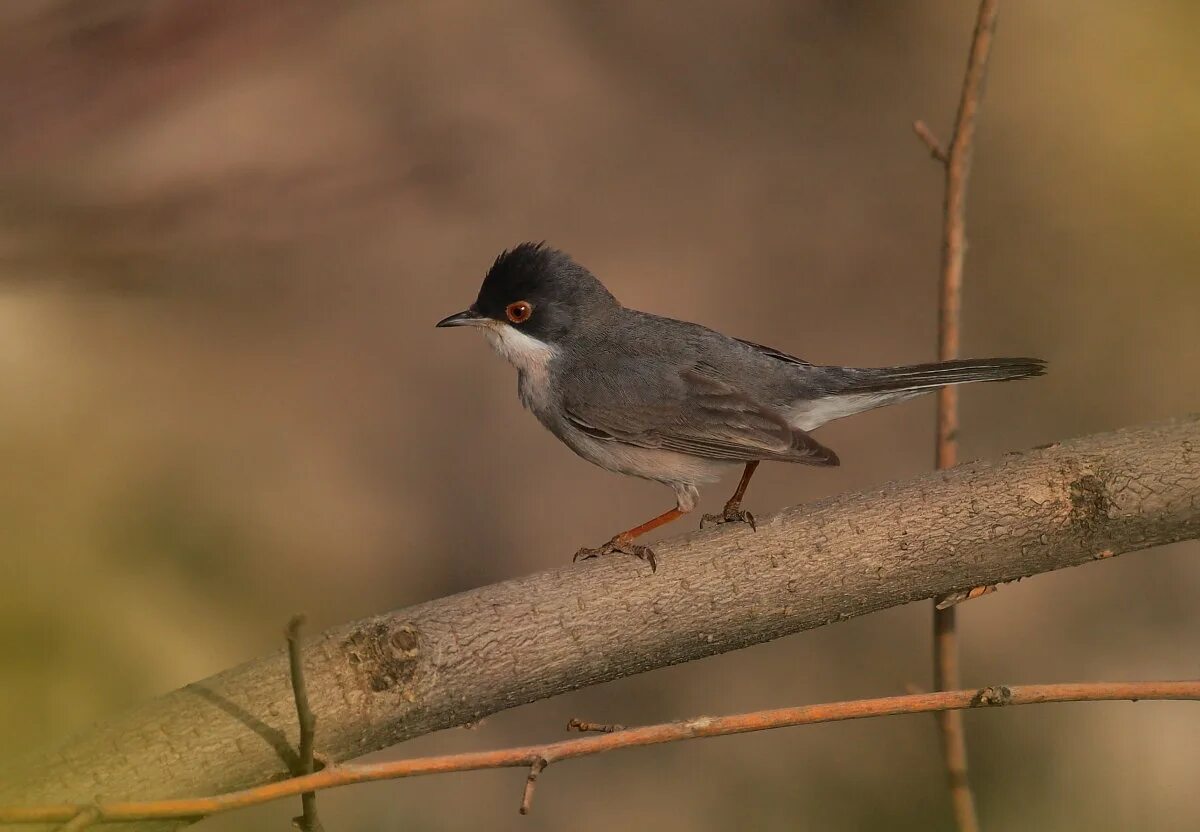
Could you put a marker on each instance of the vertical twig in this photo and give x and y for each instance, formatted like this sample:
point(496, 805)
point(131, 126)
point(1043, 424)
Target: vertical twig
point(535, 770)
point(950, 727)
point(957, 164)
point(308, 821)
point(958, 168)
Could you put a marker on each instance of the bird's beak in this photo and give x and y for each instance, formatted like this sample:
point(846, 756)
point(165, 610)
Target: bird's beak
point(468, 317)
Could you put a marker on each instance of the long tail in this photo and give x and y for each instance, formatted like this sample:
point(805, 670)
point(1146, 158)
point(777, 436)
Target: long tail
point(918, 377)
point(846, 391)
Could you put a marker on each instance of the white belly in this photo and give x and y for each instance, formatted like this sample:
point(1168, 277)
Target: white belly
point(680, 471)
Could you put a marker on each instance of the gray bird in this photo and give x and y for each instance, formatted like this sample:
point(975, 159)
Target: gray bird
point(672, 401)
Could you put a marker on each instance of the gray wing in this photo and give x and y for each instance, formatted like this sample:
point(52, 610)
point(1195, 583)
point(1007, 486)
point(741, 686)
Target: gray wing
point(699, 412)
point(771, 352)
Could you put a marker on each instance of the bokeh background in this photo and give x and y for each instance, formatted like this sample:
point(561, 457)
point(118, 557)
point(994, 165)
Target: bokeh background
point(227, 228)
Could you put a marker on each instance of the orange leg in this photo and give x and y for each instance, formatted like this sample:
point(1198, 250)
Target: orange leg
point(733, 509)
point(624, 541)
point(736, 500)
point(650, 525)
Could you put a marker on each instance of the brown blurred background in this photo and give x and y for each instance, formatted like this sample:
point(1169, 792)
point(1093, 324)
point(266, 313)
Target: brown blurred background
point(227, 228)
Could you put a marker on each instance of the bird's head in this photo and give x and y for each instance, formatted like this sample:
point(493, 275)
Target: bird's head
point(537, 292)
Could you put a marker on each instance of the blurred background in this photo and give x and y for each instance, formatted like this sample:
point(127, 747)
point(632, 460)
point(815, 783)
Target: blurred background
point(226, 231)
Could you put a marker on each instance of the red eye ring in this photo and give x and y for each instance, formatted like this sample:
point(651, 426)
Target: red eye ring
point(519, 312)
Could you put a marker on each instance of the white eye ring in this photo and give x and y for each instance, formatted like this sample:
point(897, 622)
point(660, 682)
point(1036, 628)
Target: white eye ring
point(519, 312)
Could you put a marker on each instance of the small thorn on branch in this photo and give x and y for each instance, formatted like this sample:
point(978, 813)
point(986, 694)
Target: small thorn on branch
point(308, 821)
point(931, 141)
point(948, 601)
point(535, 769)
point(83, 820)
point(584, 726)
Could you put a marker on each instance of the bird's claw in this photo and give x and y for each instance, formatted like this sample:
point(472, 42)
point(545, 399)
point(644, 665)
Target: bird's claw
point(731, 514)
point(619, 545)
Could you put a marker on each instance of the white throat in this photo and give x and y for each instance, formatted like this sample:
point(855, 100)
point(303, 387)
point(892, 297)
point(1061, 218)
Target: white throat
point(530, 356)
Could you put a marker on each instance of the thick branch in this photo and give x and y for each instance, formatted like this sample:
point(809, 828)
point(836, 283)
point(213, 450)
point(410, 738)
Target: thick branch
point(451, 661)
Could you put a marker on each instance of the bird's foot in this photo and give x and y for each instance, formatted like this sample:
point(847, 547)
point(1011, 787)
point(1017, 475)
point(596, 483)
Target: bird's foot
point(621, 545)
point(733, 513)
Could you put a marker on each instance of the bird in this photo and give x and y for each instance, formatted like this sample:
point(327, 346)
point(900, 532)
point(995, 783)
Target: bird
point(672, 401)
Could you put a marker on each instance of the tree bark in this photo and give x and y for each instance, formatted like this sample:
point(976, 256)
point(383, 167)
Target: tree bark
point(382, 680)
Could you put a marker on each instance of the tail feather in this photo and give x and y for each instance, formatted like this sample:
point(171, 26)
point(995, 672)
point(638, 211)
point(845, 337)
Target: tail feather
point(848, 391)
point(918, 377)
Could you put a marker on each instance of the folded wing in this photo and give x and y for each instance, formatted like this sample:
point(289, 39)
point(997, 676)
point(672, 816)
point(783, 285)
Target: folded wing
point(701, 413)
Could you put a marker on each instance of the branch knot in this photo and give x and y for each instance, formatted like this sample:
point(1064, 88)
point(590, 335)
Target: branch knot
point(994, 695)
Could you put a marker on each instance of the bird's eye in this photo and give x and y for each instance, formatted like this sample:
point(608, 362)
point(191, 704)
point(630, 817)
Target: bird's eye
point(519, 312)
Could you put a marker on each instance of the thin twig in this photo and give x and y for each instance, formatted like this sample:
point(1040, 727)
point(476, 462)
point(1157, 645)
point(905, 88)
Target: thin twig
point(308, 821)
point(950, 723)
point(344, 775)
point(958, 167)
point(957, 164)
point(85, 818)
point(931, 141)
point(535, 770)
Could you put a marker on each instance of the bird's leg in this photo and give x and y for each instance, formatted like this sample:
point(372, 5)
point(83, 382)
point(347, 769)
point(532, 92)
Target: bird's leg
point(624, 541)
point(733, 509)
